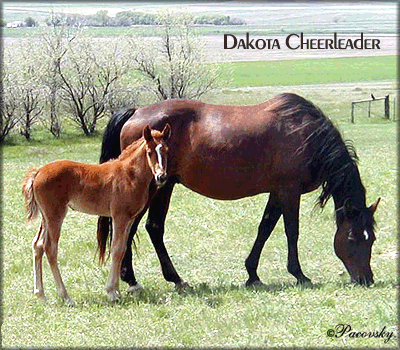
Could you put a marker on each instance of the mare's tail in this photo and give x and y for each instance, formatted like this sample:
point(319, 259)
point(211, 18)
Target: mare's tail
point(29, 196)
point(110, 149)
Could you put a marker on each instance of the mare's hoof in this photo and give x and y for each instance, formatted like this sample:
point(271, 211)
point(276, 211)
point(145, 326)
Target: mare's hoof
point(135, 289)
point(256, 283)
point(114, 296)
point(183, 286)
point(304, 281)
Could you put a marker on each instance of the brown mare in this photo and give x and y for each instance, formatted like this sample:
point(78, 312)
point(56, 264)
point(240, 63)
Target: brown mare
point(284, 146)
point(118, 188)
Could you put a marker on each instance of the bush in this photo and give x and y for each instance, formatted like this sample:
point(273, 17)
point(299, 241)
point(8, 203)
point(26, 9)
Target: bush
point(30, 22)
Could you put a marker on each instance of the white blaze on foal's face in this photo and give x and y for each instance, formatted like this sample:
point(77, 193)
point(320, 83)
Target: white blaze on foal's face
point(161, 174)
point(159, 155)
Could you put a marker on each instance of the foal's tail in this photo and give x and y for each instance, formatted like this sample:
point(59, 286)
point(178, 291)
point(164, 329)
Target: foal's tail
point(110, 149)
point(29, 196)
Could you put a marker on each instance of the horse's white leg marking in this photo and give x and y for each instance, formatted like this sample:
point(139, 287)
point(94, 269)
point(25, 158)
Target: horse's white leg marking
point(135, 289)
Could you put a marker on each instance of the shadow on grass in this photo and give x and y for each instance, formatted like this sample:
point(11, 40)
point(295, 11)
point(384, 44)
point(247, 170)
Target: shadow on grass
point(213, 295)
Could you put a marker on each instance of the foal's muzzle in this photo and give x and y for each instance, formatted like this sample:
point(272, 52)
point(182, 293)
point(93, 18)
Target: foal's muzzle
point(161, 179)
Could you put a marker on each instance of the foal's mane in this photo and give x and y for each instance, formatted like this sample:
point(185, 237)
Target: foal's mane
point(127, 152)
point(332, 161)
point(135, 145)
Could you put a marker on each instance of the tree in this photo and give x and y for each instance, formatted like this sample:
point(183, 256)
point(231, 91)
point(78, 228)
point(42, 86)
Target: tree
point(22, 95)
point(9, 104)
point(88, 74)
point(175, 65)
point(28, 80)
point(31, 109)
point(30, 22)
point(54, 46)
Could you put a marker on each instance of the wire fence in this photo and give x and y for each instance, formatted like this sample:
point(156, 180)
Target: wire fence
point(380, 108)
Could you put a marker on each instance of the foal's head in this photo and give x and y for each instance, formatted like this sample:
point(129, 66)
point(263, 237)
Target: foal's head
point(157, 152)
point(354, 239)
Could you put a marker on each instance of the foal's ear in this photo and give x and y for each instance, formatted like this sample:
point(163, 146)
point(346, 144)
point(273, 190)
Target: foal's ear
point(147, 133)
point(374, 206)
point(166, 132)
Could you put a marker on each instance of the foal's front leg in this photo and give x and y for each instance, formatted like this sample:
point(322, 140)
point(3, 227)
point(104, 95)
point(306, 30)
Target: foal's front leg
point(121, 227)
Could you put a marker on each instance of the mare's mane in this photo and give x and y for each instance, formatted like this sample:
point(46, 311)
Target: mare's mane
point(332, 161)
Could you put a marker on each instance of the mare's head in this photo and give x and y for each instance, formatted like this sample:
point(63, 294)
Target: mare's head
point(354, 239)
point(157, 152)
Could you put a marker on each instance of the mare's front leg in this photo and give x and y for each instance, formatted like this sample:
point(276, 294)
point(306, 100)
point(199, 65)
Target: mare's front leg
point(155, 226)
point(270, 217)
point(290, 208)
point(127, 273)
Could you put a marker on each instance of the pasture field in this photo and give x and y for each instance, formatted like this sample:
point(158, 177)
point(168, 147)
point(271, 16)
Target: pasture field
point(208, 241)
point(295, 72)
point(261, 18)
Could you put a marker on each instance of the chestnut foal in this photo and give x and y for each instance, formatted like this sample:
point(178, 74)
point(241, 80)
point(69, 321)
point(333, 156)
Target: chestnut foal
point(118, 189)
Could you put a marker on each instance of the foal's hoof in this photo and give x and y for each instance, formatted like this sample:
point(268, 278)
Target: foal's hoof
point(42, 299)
point(69, 302)
point(135, 289)
point(256, 283)
point(114, 296)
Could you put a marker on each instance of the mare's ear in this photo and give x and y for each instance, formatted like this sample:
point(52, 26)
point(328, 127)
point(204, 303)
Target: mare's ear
point(147, 133)
point(374, 206)
point(166, 132)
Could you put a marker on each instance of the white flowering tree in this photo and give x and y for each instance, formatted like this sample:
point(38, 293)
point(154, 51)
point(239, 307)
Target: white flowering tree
point(89, 72)
point(174, 65)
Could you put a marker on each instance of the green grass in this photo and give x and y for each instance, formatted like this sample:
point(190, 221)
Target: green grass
point(315, 71)
point(208, 241)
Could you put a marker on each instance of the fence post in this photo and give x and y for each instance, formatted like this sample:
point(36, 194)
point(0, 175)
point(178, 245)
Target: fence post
point(387, 107)
point(369, 109)
point(352, 112)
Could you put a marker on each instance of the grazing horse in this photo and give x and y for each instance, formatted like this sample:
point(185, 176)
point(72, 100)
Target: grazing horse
point(284, 146)
point(118, 188)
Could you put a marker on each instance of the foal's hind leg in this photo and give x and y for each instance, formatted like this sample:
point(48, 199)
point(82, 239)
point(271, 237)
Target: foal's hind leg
point(51, 249)
point(37, 249)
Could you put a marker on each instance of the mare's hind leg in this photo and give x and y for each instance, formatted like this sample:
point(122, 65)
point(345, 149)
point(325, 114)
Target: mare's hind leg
point(51, 248)
point(290, 208)
point(155, 226)
point(270, 217)
point(38, 250)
